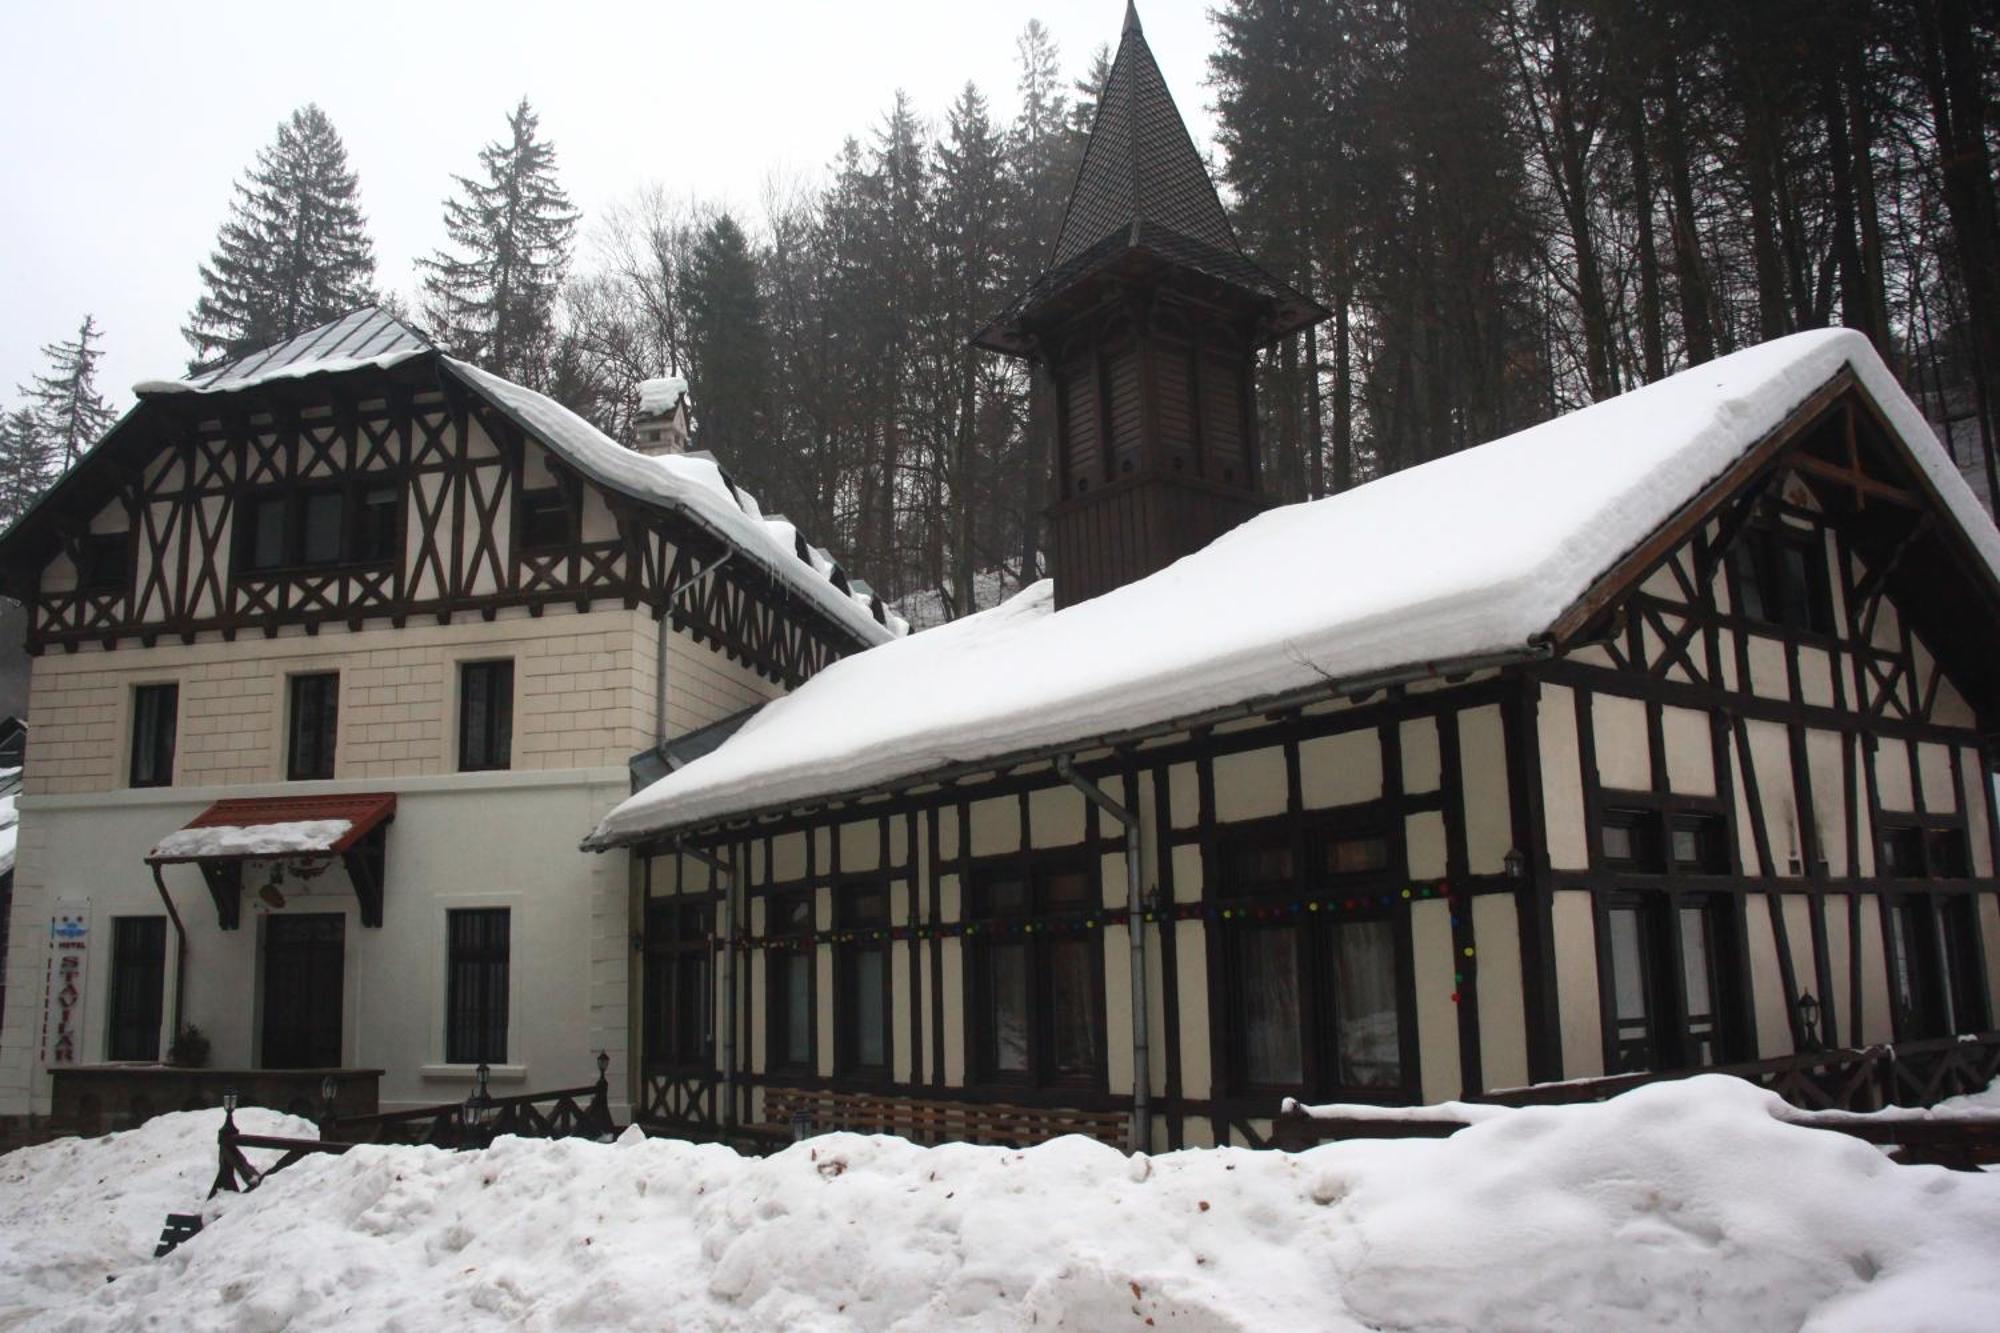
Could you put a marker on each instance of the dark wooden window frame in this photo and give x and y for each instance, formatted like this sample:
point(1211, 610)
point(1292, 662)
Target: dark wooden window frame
point(1758, 552)
point(353, 490)
point(298, 767)
point(777, 1012)
point(1669, 1040)
point(846, 1037)
point(104, 562)
point(1035, 869)
point(533, 505)
point(479, 737)
point(1653, 818)
point(1942, 845)
point(138, 987)
point(1300, 835)
point(679, 933)
point(478, 985)
point(157, 770)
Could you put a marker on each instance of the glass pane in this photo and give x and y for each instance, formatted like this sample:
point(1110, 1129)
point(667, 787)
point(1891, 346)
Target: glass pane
point(1619, 843)
point(1794, 585)
point(1007, 974)
point(1272, 1044)
point(1356, 856)
point(1628, 977)
point(1072, 1015)
point(321, 543)
point(866, 907)
point(1065, 889)
point(1002, 895)
point(1687, 847)
point(267, 533)
point(1748, 581)
point(1694, 963)
point(798, 981)
point(1254, 865)
point(870, 1031)
point(1901, 972)
point(378, 524)
point(1371, 1052)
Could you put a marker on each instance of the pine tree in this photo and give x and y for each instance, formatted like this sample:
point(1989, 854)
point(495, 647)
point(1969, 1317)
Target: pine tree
point(729, 352)
point(26, 463)
point(494, 301)
point(69, 411)
point(294, 252)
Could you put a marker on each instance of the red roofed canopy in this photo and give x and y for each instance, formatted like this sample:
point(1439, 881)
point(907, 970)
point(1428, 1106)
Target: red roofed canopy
point(277, 828)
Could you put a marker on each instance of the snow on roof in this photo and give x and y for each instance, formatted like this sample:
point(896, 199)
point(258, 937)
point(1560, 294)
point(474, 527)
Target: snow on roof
point(692, 483)
point(370, 336)
point(300, 835)
point(1473, 554)
point(10, 816)
point(657, 397)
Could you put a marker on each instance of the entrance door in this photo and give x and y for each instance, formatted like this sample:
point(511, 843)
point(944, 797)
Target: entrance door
point(303, 961)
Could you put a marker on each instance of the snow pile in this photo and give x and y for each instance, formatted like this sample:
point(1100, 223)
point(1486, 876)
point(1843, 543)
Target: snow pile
point(299, 835)
point(76, 1212)
point(1473, 554)
point(10, 816)
point(1686, 1205)
point(658, 397)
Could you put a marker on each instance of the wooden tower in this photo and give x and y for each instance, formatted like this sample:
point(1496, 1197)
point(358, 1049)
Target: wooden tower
point(1148, 319)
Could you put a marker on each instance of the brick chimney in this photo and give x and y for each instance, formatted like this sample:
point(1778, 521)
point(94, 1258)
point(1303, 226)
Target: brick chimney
point(661, 426)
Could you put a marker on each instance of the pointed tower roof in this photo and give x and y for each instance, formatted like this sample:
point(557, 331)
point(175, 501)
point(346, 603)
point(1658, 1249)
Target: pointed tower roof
point(1142, 187)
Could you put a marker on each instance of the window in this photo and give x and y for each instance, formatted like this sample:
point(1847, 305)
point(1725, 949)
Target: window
point(677, 994)
point(789, 965)
point(105, 562)
point(153, 716)
point(1917, 851)
point(1669, 978)
point(340, 523)
point(1778, 576)
point(1637, 836)
point(485, 715)
point(1038, 1015)
point(315, 724)
point(546, 519)
point(475, 1028)
point(861, 973)
point(138, 981)
point(1934, 979)
point(1316, 998)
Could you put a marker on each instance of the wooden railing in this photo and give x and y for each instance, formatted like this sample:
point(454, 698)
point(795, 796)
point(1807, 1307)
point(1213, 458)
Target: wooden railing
point(583, 1112)
point(789, 1112)
point(1836, 1090)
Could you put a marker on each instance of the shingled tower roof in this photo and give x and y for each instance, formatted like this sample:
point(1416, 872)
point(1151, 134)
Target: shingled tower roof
point(1142, 191)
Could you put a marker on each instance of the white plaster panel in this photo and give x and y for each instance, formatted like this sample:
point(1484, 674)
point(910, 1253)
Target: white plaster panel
point(1489, 821)
point(1839, 998)
point(1816, 677)
point(1562, 780)
point(860, 847)
point(1768, 675)
point(1934, 768)
point(1877, 1023)
point(1690, 751)
point(1770, 750)
point(1774, 1034)
point(1117, 1010)
point(899, 1006)
point(1503, 1023)
point(1423, 766)
point(1250, 784)
point(1623, 754)
point(1191, 957)
point(996, 826)
point(1829, 794)
point(1056, 814)
point(1183, 795)
point(1423, 836)
point(1977, 831)
point(1187, 872)
point(1340, 770)
point(1894, 788)
point(1437, 1015)
point(1576, 984)
point(954, 1013)
point(788, 856)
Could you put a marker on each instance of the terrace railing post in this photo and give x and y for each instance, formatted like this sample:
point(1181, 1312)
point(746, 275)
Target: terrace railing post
point(226, 1151)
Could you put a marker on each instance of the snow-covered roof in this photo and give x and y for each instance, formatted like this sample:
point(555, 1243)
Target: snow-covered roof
point(290, 837)
point(370, 336)
point(10, 816)
point(657, 397)
point(1474, 554)
point(695, 485)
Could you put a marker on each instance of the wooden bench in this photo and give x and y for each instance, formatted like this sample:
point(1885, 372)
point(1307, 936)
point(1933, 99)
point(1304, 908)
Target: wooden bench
point(923, 1120)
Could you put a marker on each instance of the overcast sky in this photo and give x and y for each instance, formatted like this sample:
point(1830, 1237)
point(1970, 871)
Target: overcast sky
point(125, 125)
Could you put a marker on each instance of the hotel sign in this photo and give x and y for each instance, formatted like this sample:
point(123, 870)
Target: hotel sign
point(62, 1013)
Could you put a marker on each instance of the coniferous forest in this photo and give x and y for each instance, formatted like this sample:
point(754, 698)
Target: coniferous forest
point(1512, 208)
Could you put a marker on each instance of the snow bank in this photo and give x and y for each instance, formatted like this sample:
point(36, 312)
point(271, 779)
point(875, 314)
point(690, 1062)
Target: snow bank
point(1473, 554)
point(299, 835)
point(1685, 1205)
point(77, 1212)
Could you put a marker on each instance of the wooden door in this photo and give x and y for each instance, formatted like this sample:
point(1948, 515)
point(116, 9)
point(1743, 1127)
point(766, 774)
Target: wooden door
point(304, 958)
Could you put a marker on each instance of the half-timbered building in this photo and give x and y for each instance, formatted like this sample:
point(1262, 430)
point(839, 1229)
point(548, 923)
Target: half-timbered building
point(1659, 736)
point(334, 649)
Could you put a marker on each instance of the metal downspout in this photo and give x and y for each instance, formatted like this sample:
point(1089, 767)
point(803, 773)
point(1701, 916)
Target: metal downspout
point(1142, 1073)
point(180, 953)
point(722, 871)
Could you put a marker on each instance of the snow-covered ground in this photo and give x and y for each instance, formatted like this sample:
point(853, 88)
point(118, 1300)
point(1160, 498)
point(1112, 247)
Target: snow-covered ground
point(1685, 1205)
